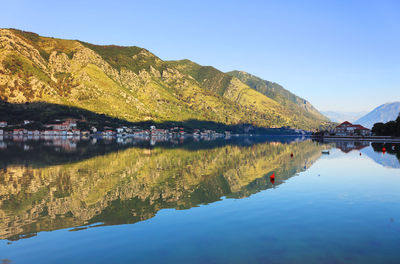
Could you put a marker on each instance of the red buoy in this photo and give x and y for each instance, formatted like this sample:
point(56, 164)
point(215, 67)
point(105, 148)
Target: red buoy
point(272, 178)
point(360, 153)
point(383, 149)
point(291, 155)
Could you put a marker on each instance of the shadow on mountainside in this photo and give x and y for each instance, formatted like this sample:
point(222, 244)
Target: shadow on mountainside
point(40, 154)
point(61, 151)
point(44, 113)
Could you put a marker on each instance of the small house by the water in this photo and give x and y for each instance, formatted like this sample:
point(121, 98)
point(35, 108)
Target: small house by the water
point(348, 129)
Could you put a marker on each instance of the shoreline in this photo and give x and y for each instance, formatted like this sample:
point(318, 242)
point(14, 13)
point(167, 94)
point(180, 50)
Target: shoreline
point(382, 139)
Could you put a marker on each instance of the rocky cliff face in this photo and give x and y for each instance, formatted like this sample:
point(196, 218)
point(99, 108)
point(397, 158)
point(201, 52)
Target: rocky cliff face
point(129, 83)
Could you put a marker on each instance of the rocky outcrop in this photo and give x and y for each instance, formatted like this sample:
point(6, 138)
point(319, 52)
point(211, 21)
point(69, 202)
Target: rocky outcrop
point(11, 43)
point(59, 62)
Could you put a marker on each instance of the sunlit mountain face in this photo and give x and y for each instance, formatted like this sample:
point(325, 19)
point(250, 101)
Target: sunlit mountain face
point(71, 78)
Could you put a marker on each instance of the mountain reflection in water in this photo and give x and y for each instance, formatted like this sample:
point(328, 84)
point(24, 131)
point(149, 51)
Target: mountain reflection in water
point(43, 189)
point(388, 158)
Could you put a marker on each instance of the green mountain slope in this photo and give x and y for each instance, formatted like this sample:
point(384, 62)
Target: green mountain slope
point(130, 83)
point(279, 94)
point(246, 87)
point(207, 76)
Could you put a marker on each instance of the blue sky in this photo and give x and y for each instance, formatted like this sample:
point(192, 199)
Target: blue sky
point(339, 55)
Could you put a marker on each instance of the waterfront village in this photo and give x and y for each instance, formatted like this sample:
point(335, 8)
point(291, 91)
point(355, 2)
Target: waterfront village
point(69, 128)
point(65, 134)
point(354, 132)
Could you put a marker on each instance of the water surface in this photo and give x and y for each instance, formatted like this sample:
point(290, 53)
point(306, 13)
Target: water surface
point(200, 202)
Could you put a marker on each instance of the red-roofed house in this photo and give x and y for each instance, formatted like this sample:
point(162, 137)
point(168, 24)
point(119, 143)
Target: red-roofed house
point(348, 129)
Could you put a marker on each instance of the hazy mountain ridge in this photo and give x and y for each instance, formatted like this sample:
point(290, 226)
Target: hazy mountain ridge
point(339, 117)
point(131, 83)
point(382, 114)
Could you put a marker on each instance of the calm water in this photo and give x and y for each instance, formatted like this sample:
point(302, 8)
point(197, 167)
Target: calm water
point(199, 202)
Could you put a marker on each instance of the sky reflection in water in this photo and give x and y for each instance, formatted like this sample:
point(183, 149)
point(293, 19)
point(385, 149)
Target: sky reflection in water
point(340, 208)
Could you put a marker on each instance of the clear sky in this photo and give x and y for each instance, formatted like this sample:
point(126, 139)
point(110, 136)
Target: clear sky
point(339, 55)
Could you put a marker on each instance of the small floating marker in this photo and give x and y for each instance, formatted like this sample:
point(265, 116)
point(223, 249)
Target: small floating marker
point(291, 155)
point(383, 149)
point(272, 178)
point(360, 153)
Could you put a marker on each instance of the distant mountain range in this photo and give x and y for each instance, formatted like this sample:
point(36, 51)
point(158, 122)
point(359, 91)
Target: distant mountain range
point(132, 84)
point(339, 117)
point(383, 113)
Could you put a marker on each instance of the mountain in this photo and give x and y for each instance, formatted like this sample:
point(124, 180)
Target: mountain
point(383, 113)
point(300, 107)
point(340, 117)
point(389, 160)
point(132, 84)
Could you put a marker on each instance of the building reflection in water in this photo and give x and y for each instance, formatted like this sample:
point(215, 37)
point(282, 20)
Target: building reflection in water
point(347, 146)
point(82, 183)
